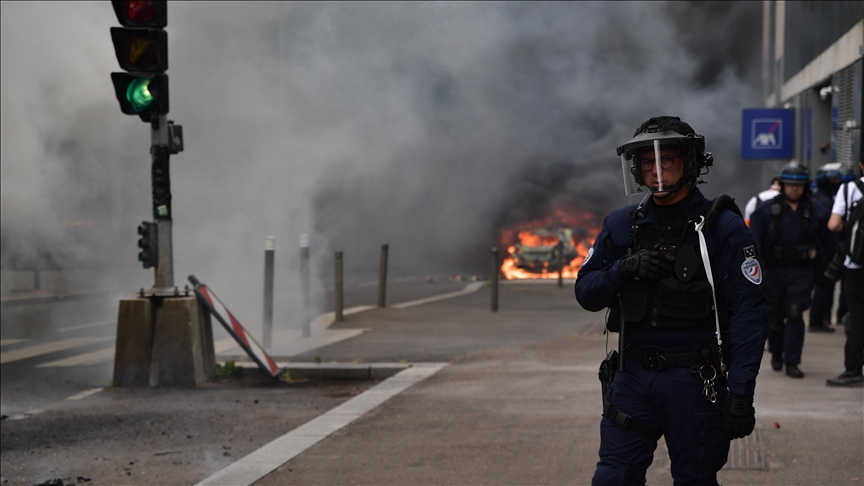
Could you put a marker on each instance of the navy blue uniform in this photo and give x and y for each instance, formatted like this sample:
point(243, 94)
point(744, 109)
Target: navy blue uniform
point(671, 399)
point(823, 297)
point(789, 277)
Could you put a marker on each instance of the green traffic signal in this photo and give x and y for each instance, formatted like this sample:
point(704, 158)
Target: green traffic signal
point(138, 95)
point(141, 94)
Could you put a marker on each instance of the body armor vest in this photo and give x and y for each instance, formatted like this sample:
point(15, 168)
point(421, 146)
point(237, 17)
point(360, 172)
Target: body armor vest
point(682, 301)
point(806, 251)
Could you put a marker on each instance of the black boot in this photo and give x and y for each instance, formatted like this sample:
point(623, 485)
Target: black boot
point(776, 362)
point(792, 371)
point(847, 378)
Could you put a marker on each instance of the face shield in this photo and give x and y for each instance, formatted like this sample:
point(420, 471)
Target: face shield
point(656, 164)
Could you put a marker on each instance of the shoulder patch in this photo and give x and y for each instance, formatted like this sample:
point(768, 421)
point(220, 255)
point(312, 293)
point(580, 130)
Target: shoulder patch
point(588, 256)
point(750, 268)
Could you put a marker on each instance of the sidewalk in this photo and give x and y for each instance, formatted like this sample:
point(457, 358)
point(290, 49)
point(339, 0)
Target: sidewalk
point(529, 414)
point(493, 398)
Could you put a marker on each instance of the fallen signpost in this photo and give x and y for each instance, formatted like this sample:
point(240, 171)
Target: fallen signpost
point(209, 300)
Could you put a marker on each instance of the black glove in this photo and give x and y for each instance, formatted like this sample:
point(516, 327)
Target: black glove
point(739, 416)
point(646, 264)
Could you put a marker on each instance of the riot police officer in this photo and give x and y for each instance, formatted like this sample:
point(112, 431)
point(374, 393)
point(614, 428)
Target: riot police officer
point(792, 235)
point(827, 182)
point(681, 277)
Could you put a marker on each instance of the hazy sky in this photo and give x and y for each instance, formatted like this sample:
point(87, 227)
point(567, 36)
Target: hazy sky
point(422, 125)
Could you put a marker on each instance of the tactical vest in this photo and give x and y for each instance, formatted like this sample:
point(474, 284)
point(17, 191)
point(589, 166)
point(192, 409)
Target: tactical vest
point(806, 251)
point(683, 301)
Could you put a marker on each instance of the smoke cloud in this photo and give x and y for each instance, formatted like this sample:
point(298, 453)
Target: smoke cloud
point(421, 125)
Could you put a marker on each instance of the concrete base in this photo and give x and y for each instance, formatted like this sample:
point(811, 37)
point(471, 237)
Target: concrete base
point(134, 343)
point(183, 352)
point(163, 342)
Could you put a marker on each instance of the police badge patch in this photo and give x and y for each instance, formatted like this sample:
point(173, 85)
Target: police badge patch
point(588, 256)
point(750, 268)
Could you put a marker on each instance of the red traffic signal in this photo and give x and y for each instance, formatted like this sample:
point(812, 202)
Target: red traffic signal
point(141, 13)
point(142, 50)
point(141, 94)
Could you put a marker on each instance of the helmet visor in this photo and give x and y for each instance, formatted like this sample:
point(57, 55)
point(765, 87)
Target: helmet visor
point(651, 165)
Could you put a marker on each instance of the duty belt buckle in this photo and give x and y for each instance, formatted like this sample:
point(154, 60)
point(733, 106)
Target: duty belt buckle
point(654, 361)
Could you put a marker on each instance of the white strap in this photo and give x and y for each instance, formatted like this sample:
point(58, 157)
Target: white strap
point(707, 264)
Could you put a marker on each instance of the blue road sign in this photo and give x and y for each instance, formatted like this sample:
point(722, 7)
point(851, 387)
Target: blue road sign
point(768, 133)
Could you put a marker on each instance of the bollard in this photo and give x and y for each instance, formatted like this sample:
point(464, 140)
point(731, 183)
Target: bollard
point(304, 276)
point(37, 282)
point(494, 279)
point(559, 249)
point(382, 275)
point(269, 250)
point(338, 288)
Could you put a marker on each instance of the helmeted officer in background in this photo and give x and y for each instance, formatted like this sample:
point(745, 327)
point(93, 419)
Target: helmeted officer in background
point(827, 181)
point(689, 367)
point(793, 239)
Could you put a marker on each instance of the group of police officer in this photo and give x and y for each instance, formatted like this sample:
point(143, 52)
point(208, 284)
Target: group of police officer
point(693, 293)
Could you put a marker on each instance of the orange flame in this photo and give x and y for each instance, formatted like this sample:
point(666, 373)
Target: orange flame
point(585, 229)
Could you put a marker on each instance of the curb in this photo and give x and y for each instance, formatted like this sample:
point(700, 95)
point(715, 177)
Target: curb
point(337, 371)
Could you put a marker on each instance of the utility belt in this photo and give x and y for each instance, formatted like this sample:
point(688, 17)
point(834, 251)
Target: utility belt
point(661, 359)
point(707, 359)
point(800, 254)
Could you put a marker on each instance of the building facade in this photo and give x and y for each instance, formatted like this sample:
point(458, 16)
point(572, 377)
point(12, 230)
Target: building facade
point(812, 62)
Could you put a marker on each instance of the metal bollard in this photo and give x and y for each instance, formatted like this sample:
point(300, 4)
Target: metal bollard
point(382, 275)
point(494, 279)
point(269, 250)
point(304, 276)
point(338, 288)
point(559, 249)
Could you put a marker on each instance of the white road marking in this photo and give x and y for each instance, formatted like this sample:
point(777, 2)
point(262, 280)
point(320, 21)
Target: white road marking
point(85, 394)
point(46, 348)
point(29, 413)
point(6, 342)
point(85, 359)
point(85, 326)
point(268, 458)
point(472, 287)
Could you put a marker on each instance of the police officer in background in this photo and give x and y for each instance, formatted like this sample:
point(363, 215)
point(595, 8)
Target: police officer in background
point(793, 238)
point(827, 181)
point(687, 368)
point(853, 286)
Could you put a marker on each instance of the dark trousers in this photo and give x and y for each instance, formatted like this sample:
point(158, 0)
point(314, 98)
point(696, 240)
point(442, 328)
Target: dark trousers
point(853, 287)
point(787, 292)
point(823, 300)
point(671, 400)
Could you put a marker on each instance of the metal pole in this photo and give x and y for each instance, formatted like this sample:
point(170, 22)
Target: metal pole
point(269, 254)
point(161, 184)
point(560, 250)
point(304, 276)
point(382, 275)
point(494, 279)
point(338, 288)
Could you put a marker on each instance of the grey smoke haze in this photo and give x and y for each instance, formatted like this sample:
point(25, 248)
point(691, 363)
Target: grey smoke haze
point(422, 125)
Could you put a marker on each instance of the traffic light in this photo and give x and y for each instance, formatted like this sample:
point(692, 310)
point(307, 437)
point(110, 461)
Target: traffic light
point(149, 245)
point(141, 47)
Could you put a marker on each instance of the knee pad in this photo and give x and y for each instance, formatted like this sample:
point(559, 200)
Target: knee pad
point(794, 311)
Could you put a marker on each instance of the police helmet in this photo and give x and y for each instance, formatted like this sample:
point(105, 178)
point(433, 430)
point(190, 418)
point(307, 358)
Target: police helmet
point(846, 175)
point(828, 171)
point(794, 174)
point(664, 132)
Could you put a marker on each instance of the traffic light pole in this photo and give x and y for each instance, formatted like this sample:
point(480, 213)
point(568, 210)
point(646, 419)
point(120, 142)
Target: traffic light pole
point(161, 182)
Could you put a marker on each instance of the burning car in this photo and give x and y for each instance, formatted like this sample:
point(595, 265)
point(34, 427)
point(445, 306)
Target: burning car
point(542, 248)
